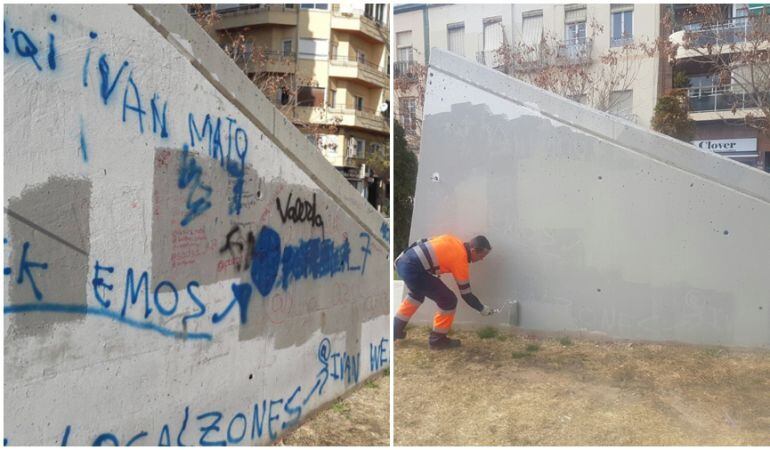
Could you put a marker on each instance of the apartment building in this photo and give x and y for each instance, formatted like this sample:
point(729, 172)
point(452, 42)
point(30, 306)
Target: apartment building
point(327, 67)
point(719, 98)
point(581, 33)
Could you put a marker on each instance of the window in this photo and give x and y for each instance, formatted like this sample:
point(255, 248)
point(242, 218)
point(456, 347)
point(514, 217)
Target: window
point(361, 57)
point(575, 24)
point(375, 148)
point(356, 148)
point(622, 25)
point(322, 6)
point(408, 110)
point(493, 40)
point(310, 96)
point(622, 104)
point(313, 49)
point(284, 95)
point(287, 47)
point(532, 27)
point(332, 98)
point(375, 12)
point(359, 103)
point(404, 46)
point(455, 38)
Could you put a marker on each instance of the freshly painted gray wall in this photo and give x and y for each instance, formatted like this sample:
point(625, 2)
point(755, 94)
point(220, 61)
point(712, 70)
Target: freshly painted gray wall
point(596, 224)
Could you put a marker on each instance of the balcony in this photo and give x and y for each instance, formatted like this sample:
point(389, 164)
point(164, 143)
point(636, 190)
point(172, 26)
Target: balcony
point(719, 99)
point(725, 37)
point(272, 61)
point(251, 15)
point(368, 73)
point(343, 116)
point(359, 23)
point(408, 70)
point(574, 51)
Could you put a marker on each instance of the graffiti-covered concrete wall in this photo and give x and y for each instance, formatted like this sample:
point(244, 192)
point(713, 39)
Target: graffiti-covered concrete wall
point(596, 224)
point(181, 266)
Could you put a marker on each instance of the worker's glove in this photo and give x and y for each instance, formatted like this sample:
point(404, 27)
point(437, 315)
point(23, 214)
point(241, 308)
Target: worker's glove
point(487, 311)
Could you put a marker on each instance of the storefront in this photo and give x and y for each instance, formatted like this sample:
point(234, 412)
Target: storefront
point(735, 141)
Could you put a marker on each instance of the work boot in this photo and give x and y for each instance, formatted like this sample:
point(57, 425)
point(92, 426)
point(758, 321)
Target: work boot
point(399, 329)
point(440, 341)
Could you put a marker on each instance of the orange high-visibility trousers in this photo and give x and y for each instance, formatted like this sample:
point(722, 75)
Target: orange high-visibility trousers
point(443, 319)
point(408, 307)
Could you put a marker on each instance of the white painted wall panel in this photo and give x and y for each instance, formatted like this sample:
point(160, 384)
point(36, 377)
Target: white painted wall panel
point(172, 274)
point(596, 224)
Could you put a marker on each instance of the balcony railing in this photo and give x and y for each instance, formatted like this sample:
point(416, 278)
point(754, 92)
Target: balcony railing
point(405, 69)
point(355, 62)
point(720, 98)
point(575, 50)
point(232, 8)
point(621, 41)
point(367, 113)
point(733, 31)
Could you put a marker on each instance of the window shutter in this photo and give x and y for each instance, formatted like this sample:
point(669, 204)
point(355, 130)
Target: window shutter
point(576, 13)
point(455, 38)
point(532, 27)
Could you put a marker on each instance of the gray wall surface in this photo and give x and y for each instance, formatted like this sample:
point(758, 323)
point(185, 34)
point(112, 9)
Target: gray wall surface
point(182, 267)
point(596, 224)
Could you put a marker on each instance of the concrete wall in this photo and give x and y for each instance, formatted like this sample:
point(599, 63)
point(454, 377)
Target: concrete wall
point(181, 265)
point(596, 224)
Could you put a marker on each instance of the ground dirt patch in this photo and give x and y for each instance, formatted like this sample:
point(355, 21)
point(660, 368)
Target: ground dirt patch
point(361, 419)
point(521, 389)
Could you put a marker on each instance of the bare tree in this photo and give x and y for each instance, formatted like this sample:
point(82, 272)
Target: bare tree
point(409, 85)
point(283, 87)
point(569, 68)
point(733, 51)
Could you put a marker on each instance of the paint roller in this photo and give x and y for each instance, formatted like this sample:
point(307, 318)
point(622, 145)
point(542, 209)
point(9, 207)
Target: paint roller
point(513, 318)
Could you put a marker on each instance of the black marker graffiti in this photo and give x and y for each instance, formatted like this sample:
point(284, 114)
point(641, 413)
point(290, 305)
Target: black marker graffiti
point(301, 211)
point(239, 250)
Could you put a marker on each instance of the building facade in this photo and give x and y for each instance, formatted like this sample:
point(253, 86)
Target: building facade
point(585, 31)
point(327, 67)
point(718, 101)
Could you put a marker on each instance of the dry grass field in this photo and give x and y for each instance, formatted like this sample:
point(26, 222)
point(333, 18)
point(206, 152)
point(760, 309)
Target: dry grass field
point(359, 419)
point(504, 388)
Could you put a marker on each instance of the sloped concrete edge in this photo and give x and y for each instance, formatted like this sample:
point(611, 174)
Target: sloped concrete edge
point(181, 30)
point(673, 152)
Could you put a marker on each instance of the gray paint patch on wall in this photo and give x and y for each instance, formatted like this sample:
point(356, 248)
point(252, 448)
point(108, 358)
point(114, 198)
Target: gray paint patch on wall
point(53, 218)
point(216, 247)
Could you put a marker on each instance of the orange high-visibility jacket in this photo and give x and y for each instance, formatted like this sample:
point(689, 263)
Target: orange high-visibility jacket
point(446, 254)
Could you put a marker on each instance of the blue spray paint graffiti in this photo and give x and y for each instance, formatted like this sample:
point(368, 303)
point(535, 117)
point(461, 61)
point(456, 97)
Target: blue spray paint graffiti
point(25, 270)
point(158, 119)
point(210, 133)
point(385, 231)
point(190, 175)
point(378, 355)
point(135, 287)
point(107, 86)
point(83, 146)
point(68, 308)
point(264, 418)
point(137, 106)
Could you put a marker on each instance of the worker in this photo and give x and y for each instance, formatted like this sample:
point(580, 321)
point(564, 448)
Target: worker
point(419, 266)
